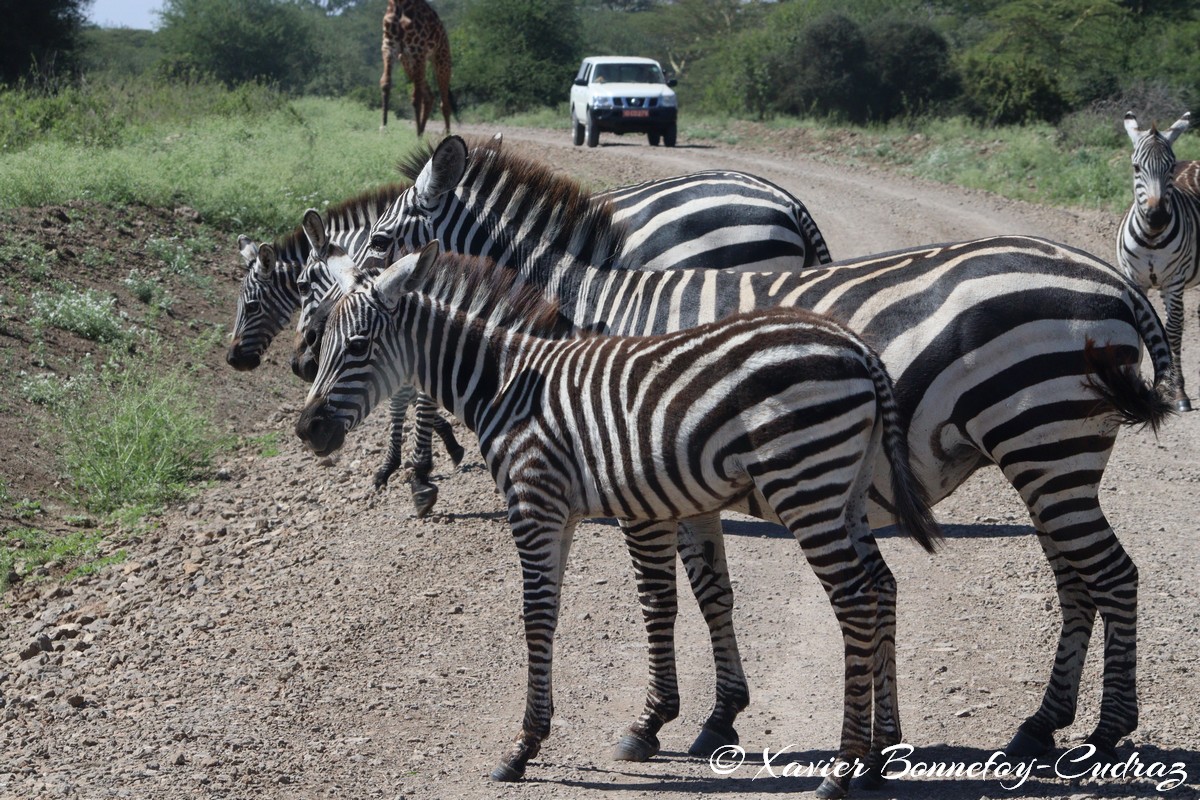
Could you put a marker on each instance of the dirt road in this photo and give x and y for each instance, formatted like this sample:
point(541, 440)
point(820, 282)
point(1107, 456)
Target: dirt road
point(290, 634)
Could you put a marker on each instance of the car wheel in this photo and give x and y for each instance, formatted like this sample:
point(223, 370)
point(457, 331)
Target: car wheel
point(669, 135)
point(576, 130)
point(654, 137)
point(593, 133)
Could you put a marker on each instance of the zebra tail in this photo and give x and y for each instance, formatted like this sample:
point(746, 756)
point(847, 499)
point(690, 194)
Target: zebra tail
point(1124, 392)
point(1120, 386)
point(910, 499)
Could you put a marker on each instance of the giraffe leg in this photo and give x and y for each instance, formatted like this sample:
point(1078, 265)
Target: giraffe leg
point(442, 67)
point(652, 546)
point(385, 81)
point(543, 544)
point(414, 68)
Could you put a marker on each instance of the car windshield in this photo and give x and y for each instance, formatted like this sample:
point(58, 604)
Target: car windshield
point(627, 73)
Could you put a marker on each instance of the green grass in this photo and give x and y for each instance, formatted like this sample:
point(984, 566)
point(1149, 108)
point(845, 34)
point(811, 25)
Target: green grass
point(87, 313)
point(252, 169)
point(267, 444)
point(134, 436)
point(35, 547)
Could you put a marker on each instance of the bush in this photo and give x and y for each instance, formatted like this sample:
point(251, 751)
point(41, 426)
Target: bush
point(1010, 91)
point(86, 313)
point(830, 72)
point(912, 68)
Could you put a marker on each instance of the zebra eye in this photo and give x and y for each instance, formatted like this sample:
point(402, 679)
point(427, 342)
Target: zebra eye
point(358, 346)
point(252, 306)
point(379, 242)
point(1137, 169)
point(304, 286)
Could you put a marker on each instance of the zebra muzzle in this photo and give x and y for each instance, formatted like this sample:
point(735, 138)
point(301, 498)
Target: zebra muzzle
point(240, 359)
point(319, 429)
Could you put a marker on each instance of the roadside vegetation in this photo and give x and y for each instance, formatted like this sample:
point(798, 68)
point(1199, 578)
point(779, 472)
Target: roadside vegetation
point(210, 116)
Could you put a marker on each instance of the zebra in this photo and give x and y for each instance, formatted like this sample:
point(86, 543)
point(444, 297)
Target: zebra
point(650, 430)
point(722, 218)
point(1012, 351)
point(1157, 243)
point(273, 288)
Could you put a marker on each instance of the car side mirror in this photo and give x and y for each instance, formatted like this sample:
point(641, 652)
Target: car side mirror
point(672, 83)
point(580, 82)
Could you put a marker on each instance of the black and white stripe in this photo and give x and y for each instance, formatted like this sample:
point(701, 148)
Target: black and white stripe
point(650, 430)
point(1013, 351)
point(272, 290)
point(1158, 243)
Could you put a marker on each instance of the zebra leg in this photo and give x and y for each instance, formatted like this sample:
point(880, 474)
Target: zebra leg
point(1057, 711)
point(543, 543)
point(424, 490)
point(391, 460)
point(702, 550)
point(652, 546)
point(1065, 507)
point(820, 527)
point(885, 730)
point(1173, 301)
point(444, 430)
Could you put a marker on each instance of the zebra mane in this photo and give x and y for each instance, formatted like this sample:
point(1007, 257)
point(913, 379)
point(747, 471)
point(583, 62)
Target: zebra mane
point(494, 294)
point(580, 222)
point(348, 213)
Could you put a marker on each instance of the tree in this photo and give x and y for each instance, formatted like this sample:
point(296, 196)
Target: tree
point(40, 38)
point(516, 53)
point(831, 73)
point(237, 41)
point(911, 64)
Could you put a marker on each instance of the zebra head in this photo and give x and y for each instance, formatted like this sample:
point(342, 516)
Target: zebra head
point(1153, 168)
point(318, 292)
point(265, 304)
point(361, 361)
point(416, 217)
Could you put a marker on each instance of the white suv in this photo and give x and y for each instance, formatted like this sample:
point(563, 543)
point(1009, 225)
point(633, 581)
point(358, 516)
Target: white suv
point(622, 94)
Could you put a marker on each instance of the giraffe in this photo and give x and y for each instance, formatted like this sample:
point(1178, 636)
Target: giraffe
point(413, 33)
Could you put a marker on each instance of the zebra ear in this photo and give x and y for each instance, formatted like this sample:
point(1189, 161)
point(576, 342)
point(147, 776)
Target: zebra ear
point(314, 229)
point(1132, 128)
point(442, 172)
point(266, 260)
point(1179, 127)
point(405, 275)
point(248, 250)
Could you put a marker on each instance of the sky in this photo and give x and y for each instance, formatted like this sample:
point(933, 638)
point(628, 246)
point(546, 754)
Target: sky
point(125, 13)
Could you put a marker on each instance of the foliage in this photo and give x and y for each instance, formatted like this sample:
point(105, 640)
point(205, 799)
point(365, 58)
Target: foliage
point(39, 38)
point(238, 41)
point(1010, 90)
point(120, 51)
point(85, 313)
point(134, 435)
point(517, 53)
point(911, 66)
point(831, 75)
point(34, 547)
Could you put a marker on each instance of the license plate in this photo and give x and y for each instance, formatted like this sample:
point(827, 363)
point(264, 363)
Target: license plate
point(635, 113)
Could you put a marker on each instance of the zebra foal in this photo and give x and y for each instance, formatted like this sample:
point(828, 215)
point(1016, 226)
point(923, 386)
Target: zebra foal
point(1158, 243)
point(650, 430)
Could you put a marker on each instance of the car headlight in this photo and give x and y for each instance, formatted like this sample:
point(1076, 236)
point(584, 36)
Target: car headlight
point(602, 101)
point(667, 100)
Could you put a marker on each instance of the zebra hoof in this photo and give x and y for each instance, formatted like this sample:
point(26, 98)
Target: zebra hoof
point(508, 773)
point(635, 748)
point(456, 454)
point(1105, 753)
point(423, 499)
point(1025, 745)
point(711, 740)
point(830, 788)
point(872, 779)
point(1183, 406)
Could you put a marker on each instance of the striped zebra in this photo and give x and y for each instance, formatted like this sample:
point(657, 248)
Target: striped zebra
point(718, 218)
point(1011, 351)
point(272, 290)
point(649, 430)
point(1158, 243)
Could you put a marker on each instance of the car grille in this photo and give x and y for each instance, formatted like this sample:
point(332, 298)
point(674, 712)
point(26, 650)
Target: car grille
point(635, 102)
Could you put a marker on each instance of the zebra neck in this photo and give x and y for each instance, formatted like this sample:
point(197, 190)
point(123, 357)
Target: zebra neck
point(458, 360)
